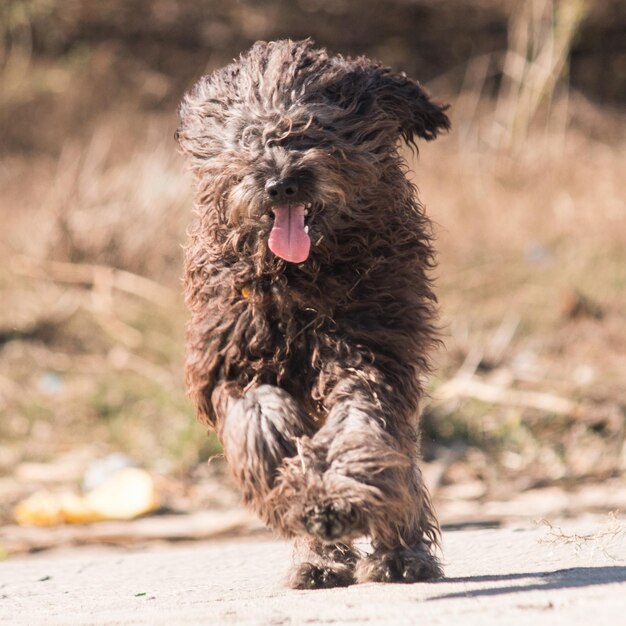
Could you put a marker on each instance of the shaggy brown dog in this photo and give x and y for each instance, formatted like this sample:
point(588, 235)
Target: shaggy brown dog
point(311, 305)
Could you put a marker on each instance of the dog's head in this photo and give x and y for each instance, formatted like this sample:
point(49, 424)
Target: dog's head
point(290, 145)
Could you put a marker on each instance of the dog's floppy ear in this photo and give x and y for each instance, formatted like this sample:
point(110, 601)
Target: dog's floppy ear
point(406, 101)
point(372, 90)
point(203, 111)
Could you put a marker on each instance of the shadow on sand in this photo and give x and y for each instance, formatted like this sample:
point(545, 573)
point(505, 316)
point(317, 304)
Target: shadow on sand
point(538, 581)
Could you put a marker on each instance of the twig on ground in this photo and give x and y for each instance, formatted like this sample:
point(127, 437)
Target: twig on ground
point(193, 527)
point(93, 276)
point(602, 538)
point(472, 387)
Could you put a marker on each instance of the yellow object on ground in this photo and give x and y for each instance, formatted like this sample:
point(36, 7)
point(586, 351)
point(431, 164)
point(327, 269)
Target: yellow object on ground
point(126, 494)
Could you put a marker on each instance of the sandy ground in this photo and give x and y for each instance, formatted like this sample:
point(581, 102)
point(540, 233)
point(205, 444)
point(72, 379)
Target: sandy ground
point(518, 575)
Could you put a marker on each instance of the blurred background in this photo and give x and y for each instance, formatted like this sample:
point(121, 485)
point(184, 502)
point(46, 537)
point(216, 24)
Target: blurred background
point(527, 411)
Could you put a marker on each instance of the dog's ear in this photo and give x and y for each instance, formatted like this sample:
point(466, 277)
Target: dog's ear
point(203, 111)
point(405, 100)
point(375, 91)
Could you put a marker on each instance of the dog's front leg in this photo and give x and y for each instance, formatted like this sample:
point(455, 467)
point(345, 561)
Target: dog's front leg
point(262, 431)
point(371, 484)
point(323, 565)
point(258, 431)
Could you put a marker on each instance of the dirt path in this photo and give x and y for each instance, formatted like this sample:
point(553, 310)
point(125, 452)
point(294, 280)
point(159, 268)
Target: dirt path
point(519, 575)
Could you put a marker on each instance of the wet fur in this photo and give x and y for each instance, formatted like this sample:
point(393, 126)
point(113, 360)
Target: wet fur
point(312, 374)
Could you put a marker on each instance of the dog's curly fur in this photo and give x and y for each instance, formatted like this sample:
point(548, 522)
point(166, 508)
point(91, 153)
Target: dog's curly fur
point(312, 373)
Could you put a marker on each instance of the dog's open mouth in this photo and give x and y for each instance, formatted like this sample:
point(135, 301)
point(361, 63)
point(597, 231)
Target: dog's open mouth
point(289, 238)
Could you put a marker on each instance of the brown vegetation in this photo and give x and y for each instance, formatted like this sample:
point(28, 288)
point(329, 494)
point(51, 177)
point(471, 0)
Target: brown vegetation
point(527, 191)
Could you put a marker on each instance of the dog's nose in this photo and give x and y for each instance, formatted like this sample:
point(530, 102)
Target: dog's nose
point(282, 189)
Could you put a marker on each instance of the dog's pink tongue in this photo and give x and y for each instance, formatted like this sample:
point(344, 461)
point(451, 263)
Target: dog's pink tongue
point(288, 240)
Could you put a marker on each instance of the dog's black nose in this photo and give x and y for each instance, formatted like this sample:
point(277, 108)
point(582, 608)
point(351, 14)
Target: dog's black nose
point(282, 189)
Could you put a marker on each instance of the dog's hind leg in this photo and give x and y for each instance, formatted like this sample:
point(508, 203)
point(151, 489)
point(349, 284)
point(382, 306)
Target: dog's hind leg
point(258, 431)
point(324, 565)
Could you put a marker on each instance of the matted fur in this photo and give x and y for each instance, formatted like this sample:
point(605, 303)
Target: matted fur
point(312, 373)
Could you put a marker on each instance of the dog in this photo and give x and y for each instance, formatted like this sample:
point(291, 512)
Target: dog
point(312, 314)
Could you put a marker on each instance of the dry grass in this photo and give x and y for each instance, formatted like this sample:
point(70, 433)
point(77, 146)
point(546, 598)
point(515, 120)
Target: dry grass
point(532, 282)
point(529, 194)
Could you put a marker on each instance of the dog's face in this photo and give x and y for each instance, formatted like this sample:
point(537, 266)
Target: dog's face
point(290, 145)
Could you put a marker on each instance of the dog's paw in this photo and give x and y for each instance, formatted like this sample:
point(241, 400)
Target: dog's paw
point(323, 576)
point(399, 566)
point(331, 521)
